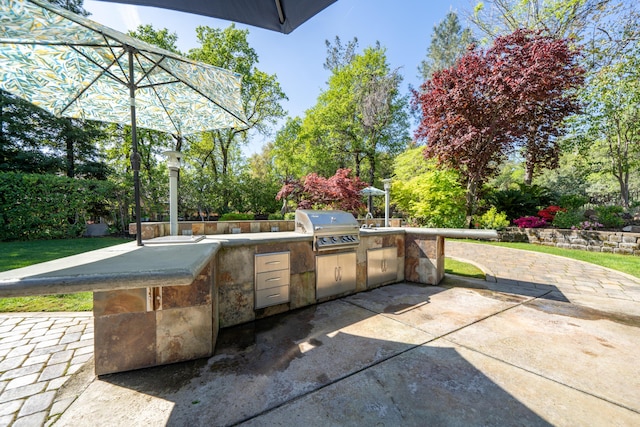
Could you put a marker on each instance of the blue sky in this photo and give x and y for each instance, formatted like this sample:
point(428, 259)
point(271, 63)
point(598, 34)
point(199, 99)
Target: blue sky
point(403, 27)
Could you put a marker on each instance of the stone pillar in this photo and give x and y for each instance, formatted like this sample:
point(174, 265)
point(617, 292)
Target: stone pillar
point(424, 259)
point(140, 328)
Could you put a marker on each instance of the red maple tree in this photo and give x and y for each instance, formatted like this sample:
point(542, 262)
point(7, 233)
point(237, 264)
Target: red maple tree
point(493, 101)
point(341, 191)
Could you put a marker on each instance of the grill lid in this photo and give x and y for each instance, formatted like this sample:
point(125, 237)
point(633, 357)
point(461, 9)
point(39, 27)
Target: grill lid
point(325, 222)
point(332, 229)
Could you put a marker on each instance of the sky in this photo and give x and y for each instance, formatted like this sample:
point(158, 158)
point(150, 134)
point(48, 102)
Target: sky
point(403, 27)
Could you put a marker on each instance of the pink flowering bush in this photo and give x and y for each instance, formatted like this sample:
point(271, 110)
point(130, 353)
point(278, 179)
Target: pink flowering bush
point(587, 225)
point(530, 222)
point(549, 213)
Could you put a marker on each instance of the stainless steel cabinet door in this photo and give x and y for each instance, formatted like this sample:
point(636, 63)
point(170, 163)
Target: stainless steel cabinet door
point(335, 274)
point(382, 266)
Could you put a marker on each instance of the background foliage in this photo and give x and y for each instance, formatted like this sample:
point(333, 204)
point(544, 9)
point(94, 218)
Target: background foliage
point(38, 206)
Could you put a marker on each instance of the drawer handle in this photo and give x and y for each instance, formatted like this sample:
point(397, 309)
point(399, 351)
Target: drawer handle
point(273, 279)
point(273, 262)
point(273, 296)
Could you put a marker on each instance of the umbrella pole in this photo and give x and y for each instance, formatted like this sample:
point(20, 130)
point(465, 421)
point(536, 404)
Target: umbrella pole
point(135, 157)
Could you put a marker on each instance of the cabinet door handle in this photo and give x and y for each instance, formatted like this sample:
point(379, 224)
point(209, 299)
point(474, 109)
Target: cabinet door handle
point(336, 274)
point(384, 266)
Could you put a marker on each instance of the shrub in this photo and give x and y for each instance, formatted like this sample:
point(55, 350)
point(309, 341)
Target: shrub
point(568, 219)
point(521, 202)
point(290, 216)
point(36, 207)
point(572, 202)
point(550, 212)
point(232, 216)
point(492, 219)
point(609, 216)
point(530, 222)
point(275, 216)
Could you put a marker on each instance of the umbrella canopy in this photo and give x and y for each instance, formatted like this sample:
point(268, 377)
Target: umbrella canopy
point(74, 67)
point(372, 191)
point(277, 15)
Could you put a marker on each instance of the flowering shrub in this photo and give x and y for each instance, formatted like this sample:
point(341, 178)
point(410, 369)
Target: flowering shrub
point(587, 225)
point(549, 213)
point(530, 222)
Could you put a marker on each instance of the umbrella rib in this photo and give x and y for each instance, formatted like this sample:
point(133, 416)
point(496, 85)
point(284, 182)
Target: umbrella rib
point(153, 86)
point(105, 70)
point(158, 64)
point(198, 91)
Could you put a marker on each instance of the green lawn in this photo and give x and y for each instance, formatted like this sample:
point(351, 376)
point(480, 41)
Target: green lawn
point(629, 264)
point(459, 268)
point(21, 254)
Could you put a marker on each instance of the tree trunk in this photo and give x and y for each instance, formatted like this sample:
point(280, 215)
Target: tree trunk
point(528, 171)
point(70, 158)
point(472, 190)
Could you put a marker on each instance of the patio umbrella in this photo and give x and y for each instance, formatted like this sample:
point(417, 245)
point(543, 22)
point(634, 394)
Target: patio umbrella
point(74, 67)
point(372, 191)
point(278, 15)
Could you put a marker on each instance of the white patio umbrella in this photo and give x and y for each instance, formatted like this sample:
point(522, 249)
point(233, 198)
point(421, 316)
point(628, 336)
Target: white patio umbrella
point(74, 67)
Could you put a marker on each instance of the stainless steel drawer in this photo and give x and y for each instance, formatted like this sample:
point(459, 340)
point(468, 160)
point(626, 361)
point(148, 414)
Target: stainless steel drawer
point(272, 262)
point(272, 279)
point(272, 296)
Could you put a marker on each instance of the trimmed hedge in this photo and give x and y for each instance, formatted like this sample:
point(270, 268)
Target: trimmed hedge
point(34, 207)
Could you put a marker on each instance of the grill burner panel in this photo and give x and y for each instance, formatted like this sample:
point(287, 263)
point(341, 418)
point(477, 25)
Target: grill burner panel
point(330, 229)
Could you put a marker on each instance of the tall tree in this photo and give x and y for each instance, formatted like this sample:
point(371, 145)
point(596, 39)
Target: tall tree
point(75, 6)
point(550, 69)
point(555, 18)
point(612, 117)
point(449, 42)
point(261, 97)
point(339, 55)
point(477, 112)
point(359, 117)
point(32, 140)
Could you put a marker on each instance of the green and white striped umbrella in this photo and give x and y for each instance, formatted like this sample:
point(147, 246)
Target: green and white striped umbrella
point(74, 67)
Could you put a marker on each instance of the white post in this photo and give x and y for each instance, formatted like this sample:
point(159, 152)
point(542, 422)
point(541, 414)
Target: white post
point(387, 187)
point(173, 162)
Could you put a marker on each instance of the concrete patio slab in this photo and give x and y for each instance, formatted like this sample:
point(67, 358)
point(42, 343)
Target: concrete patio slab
point(441, 384)
point(400, 355)
point(586, 349)
point(257, 367)
point(435, 309)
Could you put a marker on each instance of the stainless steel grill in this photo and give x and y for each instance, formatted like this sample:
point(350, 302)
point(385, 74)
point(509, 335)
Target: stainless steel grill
point(330, 229)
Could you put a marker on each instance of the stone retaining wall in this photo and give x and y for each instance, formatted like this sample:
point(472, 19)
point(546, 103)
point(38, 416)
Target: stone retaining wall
point(596, 241)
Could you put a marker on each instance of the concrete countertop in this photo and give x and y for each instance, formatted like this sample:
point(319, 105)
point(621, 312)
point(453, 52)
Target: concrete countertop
point(246, 239)
point(454, 233)
point(125, 266)
point(129, 266)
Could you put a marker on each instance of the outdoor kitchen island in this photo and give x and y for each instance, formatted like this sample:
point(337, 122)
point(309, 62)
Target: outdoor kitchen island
point(164, 303)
